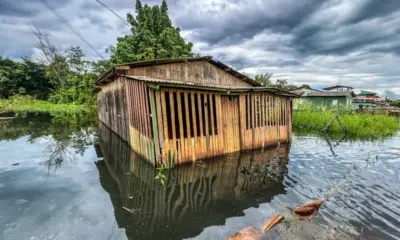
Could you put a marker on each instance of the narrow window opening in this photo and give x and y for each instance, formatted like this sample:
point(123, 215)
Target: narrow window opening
point(203, 111)
point(117, 103)
point(209, 117)
point(251, 112)
point(183, 114)
point(169, 117)
point(215, 115)
point(247, 110)
point(196, 108)
point(191, 121)
point(177, 126)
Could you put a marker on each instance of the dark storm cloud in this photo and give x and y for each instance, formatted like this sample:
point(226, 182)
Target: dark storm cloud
point(335, 34)
point(321, 42)
point(372, 9)
point(245, 19)
point(26, 8)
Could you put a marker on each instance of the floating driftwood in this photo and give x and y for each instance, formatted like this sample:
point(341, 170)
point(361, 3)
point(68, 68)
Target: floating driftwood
point(248, 233)
point(272, 222)
point(308, 209)
point(303, 211)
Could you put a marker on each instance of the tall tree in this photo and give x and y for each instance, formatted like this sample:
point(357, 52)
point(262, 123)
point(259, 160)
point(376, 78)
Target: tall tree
point(264, 79)
point(152, 36)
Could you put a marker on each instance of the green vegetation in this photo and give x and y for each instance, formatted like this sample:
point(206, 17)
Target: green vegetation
point(395, 103)
point(265, 80)
point(152, 36)
point(26, 104)
point(60, 79)
point(63, 80)
point(360, 126)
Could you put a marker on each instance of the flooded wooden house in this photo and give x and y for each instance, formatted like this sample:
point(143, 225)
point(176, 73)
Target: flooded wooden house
point(183, 110)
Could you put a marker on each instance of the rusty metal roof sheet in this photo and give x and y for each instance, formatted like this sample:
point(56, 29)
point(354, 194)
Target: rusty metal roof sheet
point(209, 59)
point(181, 84)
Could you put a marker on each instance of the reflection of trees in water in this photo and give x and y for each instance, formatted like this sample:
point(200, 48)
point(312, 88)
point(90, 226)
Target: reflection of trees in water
point(58, 153)
point(193, 196)
point(69, 134)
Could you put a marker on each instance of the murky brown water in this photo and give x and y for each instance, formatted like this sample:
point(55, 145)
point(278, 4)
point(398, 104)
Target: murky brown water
point(62, 188)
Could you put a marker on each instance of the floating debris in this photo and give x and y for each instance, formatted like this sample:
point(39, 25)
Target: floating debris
point(308, 209)
point(272, 222)
point(248, 233)
point(15, 164)
point(315, 204)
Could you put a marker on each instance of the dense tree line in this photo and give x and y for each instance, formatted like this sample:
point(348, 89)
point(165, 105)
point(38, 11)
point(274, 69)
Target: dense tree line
point(25, 77)
point(68, 78)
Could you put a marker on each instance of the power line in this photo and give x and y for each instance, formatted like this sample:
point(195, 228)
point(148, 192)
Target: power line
point(70, 27)
point(118, 16)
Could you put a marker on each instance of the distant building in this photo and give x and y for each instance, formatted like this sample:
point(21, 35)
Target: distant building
point(367, 99)
point(331, 96)
point(338, 88)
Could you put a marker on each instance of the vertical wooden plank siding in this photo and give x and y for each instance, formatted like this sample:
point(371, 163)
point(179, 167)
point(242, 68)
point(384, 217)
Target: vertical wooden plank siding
point(181, 137)
point(159, 118)
point(154, 128)
point(166, 129)
point(188, 142)
point(210, 106)
point(172, 105)
point(195, 144)
point(189, 125)
point(129, 117)
point(206, 106)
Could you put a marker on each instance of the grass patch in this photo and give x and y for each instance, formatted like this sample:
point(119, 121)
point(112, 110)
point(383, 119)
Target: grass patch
point(24, 104)
point(360, 126)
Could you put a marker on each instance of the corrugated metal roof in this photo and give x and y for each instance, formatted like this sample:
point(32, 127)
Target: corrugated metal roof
point(154, 62)
point(174, 83)
point(330, 94)
point(337, 86)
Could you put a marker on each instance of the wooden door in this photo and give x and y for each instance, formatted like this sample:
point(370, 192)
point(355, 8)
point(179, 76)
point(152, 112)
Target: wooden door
point(230, 123)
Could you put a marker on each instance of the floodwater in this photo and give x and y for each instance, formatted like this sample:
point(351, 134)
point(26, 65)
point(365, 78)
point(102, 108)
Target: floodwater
point(68, 178)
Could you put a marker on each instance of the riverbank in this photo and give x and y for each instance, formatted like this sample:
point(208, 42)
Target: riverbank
point(360, 126)
point(23, 105)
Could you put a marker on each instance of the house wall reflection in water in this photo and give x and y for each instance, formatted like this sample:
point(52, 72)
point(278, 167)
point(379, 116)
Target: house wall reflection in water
point(193, 197)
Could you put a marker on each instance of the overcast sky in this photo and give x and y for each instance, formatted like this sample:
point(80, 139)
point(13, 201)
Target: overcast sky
point(321, 43)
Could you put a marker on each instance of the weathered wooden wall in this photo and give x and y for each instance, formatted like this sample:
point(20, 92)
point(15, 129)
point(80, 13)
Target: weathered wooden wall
point(112, 108)
point(265, 120)
point(125, 108)
point(199, 72)
point(181, 126)
point(140, 120)
point(190, 124)
point(198, 124)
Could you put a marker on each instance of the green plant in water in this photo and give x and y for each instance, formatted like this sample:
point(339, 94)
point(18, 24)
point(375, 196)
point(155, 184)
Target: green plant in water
point(160, 175)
